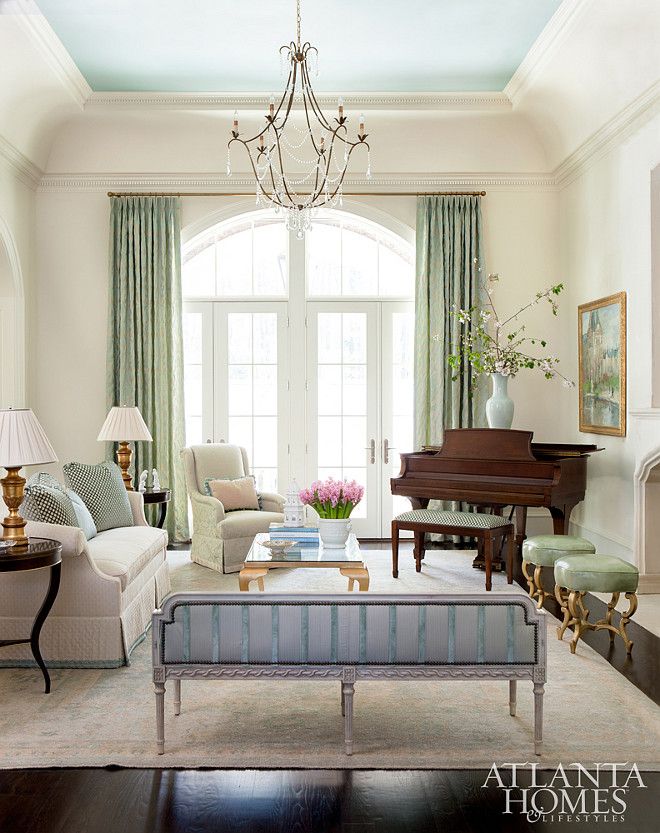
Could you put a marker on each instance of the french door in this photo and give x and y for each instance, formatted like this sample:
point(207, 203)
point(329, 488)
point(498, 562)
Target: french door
point(237, 391)
point(360, 401)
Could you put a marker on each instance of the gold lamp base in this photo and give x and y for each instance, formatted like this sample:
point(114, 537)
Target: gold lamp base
point(13, 526)
point(124, 454)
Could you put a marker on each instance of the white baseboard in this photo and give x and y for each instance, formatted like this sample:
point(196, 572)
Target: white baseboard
point(649, 583)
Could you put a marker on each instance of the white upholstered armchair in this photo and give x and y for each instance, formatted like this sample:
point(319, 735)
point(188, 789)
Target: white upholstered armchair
point(220, 539)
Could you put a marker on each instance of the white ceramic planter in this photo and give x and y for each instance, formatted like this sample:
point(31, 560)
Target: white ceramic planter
point(334, 532)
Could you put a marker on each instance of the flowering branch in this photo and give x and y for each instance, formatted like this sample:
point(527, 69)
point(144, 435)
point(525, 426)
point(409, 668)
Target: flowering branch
point(487, 346)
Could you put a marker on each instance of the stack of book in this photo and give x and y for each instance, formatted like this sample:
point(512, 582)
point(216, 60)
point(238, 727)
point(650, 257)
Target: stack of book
point(306, 536)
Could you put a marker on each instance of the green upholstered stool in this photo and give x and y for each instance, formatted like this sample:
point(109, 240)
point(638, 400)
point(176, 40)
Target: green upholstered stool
point(488, 529)
point(576, 575)
point(543, 551)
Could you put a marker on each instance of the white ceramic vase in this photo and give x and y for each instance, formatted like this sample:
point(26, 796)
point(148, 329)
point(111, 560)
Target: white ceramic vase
point(334, 532)
point(499, 408)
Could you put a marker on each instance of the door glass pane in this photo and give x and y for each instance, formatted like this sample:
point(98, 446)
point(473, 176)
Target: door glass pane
point(239, 337)
point(354, 337)
point(252, 392)
point(342, 395)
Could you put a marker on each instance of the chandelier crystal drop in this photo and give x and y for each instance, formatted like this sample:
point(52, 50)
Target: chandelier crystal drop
point(321, 149)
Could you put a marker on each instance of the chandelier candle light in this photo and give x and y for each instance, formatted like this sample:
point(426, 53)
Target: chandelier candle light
point(322, 147)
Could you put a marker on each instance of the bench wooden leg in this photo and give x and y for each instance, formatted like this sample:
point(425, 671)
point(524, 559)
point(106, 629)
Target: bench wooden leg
point(510, 554)
point(347, 696)
point(177, 697)
point(512, 697)
point(488, 557)
point(395, 549)
point(538, 718)
point(160, 717)
point(419, 550)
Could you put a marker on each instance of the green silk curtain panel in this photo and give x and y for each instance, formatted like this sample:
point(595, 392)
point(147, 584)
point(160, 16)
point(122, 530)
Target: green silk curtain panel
point(145, 349)
point(448, 244)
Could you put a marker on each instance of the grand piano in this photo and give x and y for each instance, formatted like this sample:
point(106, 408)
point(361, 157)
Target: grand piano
point(497, 468)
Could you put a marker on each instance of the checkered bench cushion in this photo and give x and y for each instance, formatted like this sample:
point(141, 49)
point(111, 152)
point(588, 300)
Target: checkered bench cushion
point(475, 520)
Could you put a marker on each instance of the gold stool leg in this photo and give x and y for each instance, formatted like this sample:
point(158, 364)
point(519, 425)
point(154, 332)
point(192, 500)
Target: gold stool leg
point(579, 616)
point(540, 592)
point(625, 618)
point(606, 623)
point(562, 597)
point(529, 579)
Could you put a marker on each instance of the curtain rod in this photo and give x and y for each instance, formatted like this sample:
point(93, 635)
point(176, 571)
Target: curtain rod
point(251, 194)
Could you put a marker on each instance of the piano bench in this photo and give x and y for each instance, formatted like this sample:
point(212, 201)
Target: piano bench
point(489, 529)
point(543, 551)
point(576, 575)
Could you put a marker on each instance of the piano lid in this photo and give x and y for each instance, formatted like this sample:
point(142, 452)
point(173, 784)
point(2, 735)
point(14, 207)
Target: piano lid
point(504, 444)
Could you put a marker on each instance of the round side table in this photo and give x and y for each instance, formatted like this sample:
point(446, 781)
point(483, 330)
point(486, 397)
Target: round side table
point(158, 496)
point(36, 554)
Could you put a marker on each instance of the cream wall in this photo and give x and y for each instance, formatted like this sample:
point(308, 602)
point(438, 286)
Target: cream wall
point(606, 244)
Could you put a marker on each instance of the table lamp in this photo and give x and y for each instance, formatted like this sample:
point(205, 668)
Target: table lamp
point(123, 424)
point(22, 443)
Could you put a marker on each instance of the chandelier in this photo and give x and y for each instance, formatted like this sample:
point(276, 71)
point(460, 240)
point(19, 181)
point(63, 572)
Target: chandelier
point(321, 148)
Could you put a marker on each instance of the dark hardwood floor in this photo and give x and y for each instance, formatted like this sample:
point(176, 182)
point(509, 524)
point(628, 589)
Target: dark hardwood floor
point(281, 801)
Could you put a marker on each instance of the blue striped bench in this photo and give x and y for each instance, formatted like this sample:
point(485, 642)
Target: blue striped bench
point(272, 636)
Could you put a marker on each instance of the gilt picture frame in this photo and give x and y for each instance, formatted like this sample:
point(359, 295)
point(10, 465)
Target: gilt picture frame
point(602, 366)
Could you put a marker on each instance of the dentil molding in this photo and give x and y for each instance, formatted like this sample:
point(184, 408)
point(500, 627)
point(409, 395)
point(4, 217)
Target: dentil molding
point(259, 100)
point(220, 182)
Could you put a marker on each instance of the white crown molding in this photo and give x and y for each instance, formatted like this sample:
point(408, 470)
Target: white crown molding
point(555, 31)
point(221, 183)
point(612, 133)
point(52, 49)
point(259, 101)
point(29, 173)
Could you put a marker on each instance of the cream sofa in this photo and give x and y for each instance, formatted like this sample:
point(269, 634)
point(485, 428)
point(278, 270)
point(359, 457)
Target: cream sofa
point(220, 539)
point(109, 588)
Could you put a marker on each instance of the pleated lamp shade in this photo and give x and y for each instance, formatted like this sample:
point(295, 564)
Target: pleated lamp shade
point(23, 441)
point(124, 423)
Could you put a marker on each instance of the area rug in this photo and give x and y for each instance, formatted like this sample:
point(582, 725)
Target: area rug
point(104, 717)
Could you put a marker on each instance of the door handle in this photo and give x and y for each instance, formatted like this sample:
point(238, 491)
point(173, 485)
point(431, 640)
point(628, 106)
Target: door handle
point(371, 448)
point(386, 450)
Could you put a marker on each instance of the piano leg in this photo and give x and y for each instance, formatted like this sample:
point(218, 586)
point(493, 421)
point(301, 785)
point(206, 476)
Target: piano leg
point(561, 516)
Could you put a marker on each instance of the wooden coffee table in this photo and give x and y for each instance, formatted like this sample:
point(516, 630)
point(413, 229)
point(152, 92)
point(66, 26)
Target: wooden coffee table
point(347, 560)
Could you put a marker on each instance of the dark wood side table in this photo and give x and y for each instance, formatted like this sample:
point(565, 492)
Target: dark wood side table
point(36, 554)
point(158, 496)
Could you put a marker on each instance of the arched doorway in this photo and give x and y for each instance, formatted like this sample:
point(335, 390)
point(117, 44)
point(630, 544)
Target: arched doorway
point(12, 336)
point(302, 350)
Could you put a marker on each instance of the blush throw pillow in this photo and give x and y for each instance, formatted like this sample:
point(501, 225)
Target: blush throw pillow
point(235, 494)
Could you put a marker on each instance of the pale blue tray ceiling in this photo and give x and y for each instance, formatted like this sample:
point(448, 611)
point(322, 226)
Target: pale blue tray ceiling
point(231, 45)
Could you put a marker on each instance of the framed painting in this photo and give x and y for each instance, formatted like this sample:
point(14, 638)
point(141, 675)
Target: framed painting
point(602, 365)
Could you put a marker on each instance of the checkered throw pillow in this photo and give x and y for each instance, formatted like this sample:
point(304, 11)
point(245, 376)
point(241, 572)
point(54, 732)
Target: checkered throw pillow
point(47, 505)
point(103, 492)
